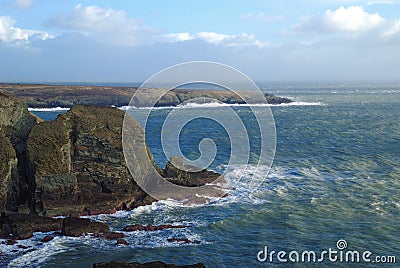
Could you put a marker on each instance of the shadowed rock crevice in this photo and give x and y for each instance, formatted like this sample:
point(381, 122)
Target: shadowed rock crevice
point(15, 125)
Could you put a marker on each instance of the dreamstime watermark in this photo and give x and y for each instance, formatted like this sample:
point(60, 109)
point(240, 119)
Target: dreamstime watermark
point(158, 88)
point(339, 254)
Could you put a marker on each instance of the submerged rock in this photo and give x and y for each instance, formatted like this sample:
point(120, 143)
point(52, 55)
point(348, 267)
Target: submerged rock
point(180, 240)
point(156, 264)
point(150, 227)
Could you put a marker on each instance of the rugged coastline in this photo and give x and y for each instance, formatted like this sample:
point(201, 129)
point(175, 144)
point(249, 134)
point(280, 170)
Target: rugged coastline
point(49, 96)
point(72, 166)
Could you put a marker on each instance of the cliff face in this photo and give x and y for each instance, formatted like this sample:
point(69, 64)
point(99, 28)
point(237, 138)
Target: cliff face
point(15, 124)
point(9, 181)
point(74, 164)
point(77, 163)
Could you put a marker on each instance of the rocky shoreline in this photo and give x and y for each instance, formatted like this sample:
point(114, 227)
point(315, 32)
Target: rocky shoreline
point(73, 166)
point(49, 96)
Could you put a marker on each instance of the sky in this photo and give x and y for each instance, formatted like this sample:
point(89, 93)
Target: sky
point(128, 41)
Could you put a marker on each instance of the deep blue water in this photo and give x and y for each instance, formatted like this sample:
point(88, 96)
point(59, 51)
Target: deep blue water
point(336, 175)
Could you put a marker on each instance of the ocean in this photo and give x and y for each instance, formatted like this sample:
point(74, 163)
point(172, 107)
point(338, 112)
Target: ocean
point(334, 186)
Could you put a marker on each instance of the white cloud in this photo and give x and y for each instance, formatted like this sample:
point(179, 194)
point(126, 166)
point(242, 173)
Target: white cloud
point(105, 24)
point(14, 35)
point(228, 40)
point(114, 27)
point(261, 16)
point(351, 19)
point(243, 39)
point(178, 37)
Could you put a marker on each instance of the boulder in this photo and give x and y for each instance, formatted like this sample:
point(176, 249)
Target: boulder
point(156, 264)
point(122, 242)
point(47, 238)
point(73, 226)
point(22, 226)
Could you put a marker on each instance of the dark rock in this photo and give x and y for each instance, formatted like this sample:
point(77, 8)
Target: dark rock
point(176, 172)
point(150, 227)
point(122, 242)
point(180, 240)
point(22, 226)
point(10, 242)
point(47, 238)
point(22, 247)
point(75, 227)
point(156, 264)
point(9, 179)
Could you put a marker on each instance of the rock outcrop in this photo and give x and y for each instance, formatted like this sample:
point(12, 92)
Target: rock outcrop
point(75, 227)
point(178, 173)
point(15, 125)
point(16, 226)
point(77, 163)
point(22, 226)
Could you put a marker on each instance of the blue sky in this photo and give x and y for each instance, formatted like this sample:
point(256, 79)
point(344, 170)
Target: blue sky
point(128, 41)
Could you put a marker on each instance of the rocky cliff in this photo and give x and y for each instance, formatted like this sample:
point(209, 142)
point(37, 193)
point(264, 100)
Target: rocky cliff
point(15, 125)
point(74, 164)
point(78, 165)
point(9, 181)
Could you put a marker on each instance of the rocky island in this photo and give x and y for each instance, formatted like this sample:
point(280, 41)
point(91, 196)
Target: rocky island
point(48, 96)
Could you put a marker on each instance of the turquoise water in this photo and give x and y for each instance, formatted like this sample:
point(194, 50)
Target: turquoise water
point(336, 175)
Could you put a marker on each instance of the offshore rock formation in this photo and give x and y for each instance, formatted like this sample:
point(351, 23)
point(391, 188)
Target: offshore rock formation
point(15, 125)
point(175, 172)
point(77, 163)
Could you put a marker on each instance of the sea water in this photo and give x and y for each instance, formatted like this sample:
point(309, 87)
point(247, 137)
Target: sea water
point(335, 176)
